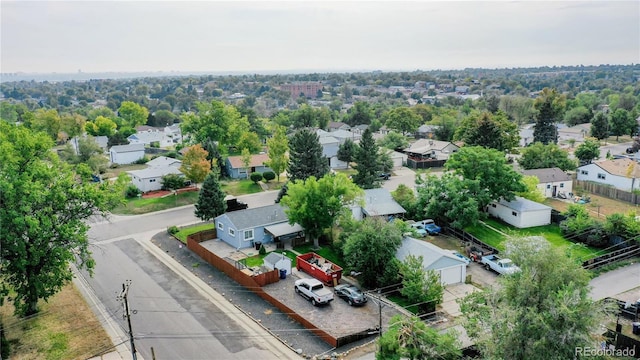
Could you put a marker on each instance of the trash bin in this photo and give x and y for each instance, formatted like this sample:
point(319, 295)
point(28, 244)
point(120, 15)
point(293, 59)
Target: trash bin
point(283, 273)
point(635, 328)
point(258, 244)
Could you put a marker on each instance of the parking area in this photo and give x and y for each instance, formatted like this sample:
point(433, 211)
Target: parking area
point(336, 318)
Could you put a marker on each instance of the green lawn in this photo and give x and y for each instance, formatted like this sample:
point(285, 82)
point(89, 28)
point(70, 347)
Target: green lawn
point(256, 260)
point(326, 252)
point(143, 206)
point(183, 233)
point(549, 232)
point(240, 187)
point(404, 303)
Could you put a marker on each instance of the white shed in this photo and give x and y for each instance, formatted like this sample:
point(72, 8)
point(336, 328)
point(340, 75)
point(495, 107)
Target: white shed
point(126, 154)
point(521, 212)
point(452, 270)
point(277, 261)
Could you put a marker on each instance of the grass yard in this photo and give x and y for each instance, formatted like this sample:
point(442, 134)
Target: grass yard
point(240, 187)
point(326, 252)
point(65, 328)
point(143, 206)
point(256, 260)
point(550, 232)
point(113, 173)
point(599, 207)
point(404, 303)
point(183, 233)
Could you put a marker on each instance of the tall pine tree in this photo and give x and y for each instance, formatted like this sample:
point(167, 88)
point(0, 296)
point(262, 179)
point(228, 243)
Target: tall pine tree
point(211, 199)
point(367, 163)
point(549, 108)
point(305, 156)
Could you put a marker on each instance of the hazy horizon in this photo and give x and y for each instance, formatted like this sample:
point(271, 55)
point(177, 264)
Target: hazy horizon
point(242, 37)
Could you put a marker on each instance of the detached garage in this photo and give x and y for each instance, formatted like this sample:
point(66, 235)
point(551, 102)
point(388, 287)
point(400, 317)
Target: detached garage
point(452, 270)
point(521, 212)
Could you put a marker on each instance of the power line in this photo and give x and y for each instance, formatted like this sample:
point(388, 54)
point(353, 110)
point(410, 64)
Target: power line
point(123, 297)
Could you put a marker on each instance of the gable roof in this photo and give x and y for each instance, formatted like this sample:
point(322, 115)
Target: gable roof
point(523, 205)
point(163, 161)
point(155, 172)
point(127, 148)
point(337, 125)
point(378, 202)
point(254, 217)
point(619, 167)
point(548, 175)
point(423, 146)
point(433, 257)
point(256, 160)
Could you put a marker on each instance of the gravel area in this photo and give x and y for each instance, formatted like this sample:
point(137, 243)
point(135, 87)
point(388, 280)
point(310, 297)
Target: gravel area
point(280, 324)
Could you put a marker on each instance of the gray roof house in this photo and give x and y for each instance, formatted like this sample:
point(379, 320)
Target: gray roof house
point(452, 270)
point(551, 181)
point(378, 202)
point(243, 228)
point(521, 212)
point(150, 179)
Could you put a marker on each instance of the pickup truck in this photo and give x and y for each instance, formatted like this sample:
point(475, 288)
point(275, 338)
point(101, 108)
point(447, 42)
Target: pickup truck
point(314, 291)
point(501, 266)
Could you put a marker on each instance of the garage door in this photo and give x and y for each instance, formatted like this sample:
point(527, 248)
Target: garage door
point(453, 275)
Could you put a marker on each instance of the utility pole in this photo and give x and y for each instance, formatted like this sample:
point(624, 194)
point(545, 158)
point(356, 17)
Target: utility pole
point(127, 315)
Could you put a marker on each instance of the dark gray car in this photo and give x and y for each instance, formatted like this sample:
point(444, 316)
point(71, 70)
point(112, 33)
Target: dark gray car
point(351, 294)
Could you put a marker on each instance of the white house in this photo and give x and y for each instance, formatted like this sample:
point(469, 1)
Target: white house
point(431, 149)
point(174, 133)
point(150, 179)
point(149, 137)
point(622, 174)
point(330, 145)
point(552, 181)
point(126, 154)
point(521, 212)
point(398, 159)
point(452, 270)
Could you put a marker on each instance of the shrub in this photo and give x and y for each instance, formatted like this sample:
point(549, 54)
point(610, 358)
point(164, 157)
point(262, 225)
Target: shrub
point(155, 144)
point(256, 176)
point(262, 250)
point(132, 191)
point(268, 176)
point(172, 230)
point(142, 160)
point(172, 182)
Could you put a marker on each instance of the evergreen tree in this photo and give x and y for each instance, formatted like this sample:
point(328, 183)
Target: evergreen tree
point(346, 151)
point(211, 199)
point(549, 107)
point(305, 156)
point(600, 126)
point(366, 160)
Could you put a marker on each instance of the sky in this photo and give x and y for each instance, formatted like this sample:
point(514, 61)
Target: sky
point(304, 36)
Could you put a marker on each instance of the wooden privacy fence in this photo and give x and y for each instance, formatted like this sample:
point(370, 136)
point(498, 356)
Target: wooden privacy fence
point(607, 191)
point(617, 255)
point(465, 236)
point(424, 164)
point(255, 283)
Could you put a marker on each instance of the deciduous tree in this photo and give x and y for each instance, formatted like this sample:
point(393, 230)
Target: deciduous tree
point(277, 148)
point(211, 201)
point(600, 126)
point(316, 204)
point(47, 121)
point(411, 338)
point(488, 130)
point(347, 151)
point(195, 165)
point(588, 151)
point(394, 141)
point(419, 286)
point(542, 312)
point(540, 156)
point(403, 120)
point(43, 208)
point(132, 114)
point(101, 126)
point(531, 191)
point(360, 114)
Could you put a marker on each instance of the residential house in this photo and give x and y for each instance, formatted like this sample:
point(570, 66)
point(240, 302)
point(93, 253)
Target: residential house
point(399, 159)
point(126, 154)
point(101, 141)
point(622, 174)
point(150, 179)
point(551, 181)
point(578, 132)
point(450, 268)
point(148, 135)
point(378, 203)
point(384, 130)
point(244, 228)
point(337, 125)
point(521, 212)
point(359, 129)
point(237, 170)
point(425, 131)
point(526, 137)
point(174, 132)
point(431, 149)
point(331, 142)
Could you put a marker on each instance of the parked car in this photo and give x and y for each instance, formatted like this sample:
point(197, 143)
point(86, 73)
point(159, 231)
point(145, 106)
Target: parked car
point(313, 290)
point(430, 227)
point(419, 229)
point(457, 254)
point(499, 265)
point(351, 294)
point(384, 176)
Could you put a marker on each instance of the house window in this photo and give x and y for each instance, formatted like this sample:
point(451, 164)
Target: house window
point(514, 213)
point(584, 172)
point(248, 235)
point(232, 232)
point(548, 186)
point(601, 176)
point(220, 226)
point(561, 185)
